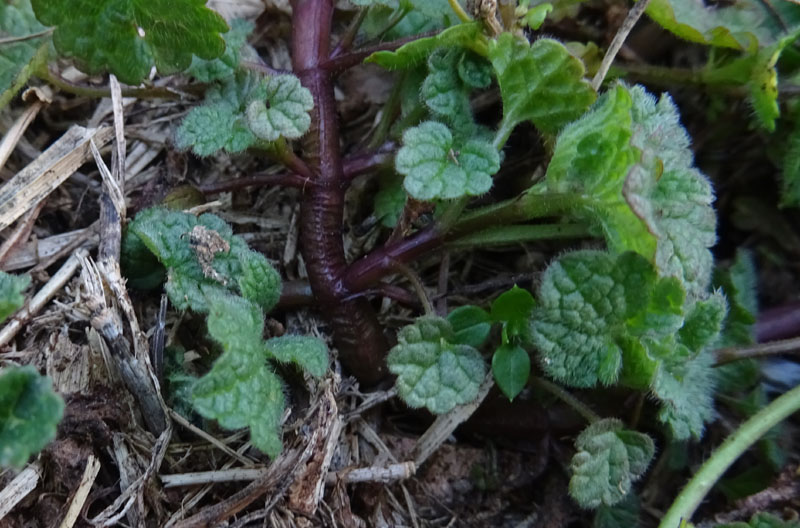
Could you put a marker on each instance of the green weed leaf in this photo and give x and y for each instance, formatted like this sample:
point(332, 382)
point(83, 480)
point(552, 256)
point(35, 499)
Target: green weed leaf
point(228, 63)
point(18, 60)
point(444, 91)
point(790, 177)
point(129, 37)
point(511, 368)
point(308, 353)
point(201, 253)
point(279, 107)
point(390, 201)
point(240, 390)
point(471, 325)
point(609, 459)
point(513, 309)
point(29, 414)
point(540, 82)
point(432, 370)
point(438, 167)
point(744, 26)
point(416, 51)
point(11, 297)
point(623, 514)
point(630, 162)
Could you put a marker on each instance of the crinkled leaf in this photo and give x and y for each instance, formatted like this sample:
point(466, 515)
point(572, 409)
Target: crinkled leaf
point(432, 370)
point(129, 37)
point(445, 93)
point(19, 59)
point(308, 353)
point(609, 459)
point(704, 322)
point(225, 65)
point(29, 414)
point(541, 82)
point(474, 70)
point(585, 299)
point(738, 283)
point(201, 253)
point(471, 325)
point(259, 281)
point(279, 107)
point(219, 123)
point(437, 167)
point(685, 387)
point(240, 390)
point(511, 368)
point(11, 297)
point(416, 51)
point(629, 161)
point(745, 25)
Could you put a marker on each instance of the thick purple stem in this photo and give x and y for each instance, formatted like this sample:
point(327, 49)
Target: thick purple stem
point(357, 332)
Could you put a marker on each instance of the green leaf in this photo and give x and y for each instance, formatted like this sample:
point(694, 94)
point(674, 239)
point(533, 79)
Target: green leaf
point(129, 37)
point(474, 70)
point(463, 36)
point(279, 108)
point(541, 82)
point(308, 353)
point(738, 283)
point(18, 60)
point(11, 297)
point(624, 514)
point(239, 390)
point(513, 308)
point(609, 459)
point(29, 414)
point(634, 176)
point(536, 16)
point(201, 253)
point(703, 323)
point(445, 93)
point(585, 299)
point(745, 25)
point(219, 123)
point(438, 167)
point(511, 368)
point(762, 520)
point(390, 201)
point(685, 387)
point(471, 325)
point(432, 370)
point(226, 65)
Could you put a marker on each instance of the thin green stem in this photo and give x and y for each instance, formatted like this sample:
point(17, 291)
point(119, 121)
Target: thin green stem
point(516, 234)
point(459, 11)
point(419, 288)
point(502, 135)
point(154, 92)
point(726, 454)
point(577, 405)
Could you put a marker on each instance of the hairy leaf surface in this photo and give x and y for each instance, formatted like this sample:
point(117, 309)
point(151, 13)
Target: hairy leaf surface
point(29, 414)
point(201, 254)
point(609, 459)
point(129, 37)
point(629, 161)
point(279, 106)
point(432, 370)
point(541, 82)
point(240, 390)
point(308, 353)
point(436, 166)
point(226, 64)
